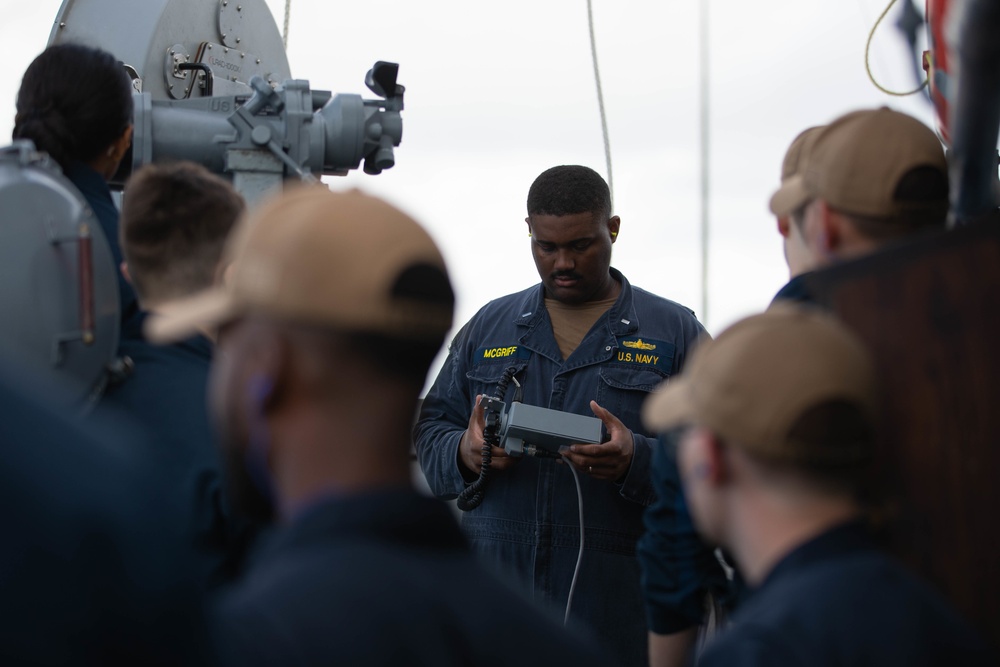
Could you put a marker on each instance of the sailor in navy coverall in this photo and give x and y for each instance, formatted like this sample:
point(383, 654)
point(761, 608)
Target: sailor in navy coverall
point(527, 525)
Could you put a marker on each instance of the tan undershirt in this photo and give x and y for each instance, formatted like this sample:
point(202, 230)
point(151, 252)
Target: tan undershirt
point(571, 323)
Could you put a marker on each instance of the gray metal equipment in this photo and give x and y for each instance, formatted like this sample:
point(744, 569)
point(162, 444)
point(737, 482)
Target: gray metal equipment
point(178, 47)
point(527, 428)
point(60, 295)
point(287, 131)
point(213, 86)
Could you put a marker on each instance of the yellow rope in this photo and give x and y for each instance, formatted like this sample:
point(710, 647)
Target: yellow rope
point(868, 67)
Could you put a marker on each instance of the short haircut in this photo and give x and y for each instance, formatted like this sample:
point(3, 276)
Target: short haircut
point(174, 224)
point(391, 357)
point(922, 197)
point(408, 359)
point(836, 444)
point(400, 357)
point(405, 359)
point(567, 190)
point(74, 102)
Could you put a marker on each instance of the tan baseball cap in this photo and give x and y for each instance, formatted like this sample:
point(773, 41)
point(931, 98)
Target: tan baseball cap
point(346, 260)
point(793, 156)
point(753, 383)
point(856, 163)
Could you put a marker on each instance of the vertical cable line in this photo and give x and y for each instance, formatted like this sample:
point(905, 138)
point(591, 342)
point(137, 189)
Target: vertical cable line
point(579, 555)
point(705, 152)
point(600, 102)
point(288, 17)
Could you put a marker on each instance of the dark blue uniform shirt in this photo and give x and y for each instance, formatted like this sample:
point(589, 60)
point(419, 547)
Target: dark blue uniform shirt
point(166, 394)
point(678, 568)
point(837, 600)
point(93, 567)
point(795, 290)
point(383, 578)
point(95, 190)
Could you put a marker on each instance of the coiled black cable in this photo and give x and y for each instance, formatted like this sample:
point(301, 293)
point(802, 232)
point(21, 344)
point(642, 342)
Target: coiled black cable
point(472, 496)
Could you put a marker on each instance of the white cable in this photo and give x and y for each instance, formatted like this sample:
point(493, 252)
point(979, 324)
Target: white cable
point(705, 151)
point(579, 558)
point(600, 103)
point(288, 16)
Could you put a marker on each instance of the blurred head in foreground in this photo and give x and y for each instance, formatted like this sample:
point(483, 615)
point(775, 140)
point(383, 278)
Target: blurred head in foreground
point(779, 412)
point(333, 309)
point(847, 188)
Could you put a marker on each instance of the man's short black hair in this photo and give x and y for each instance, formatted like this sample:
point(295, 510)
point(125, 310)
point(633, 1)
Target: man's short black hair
point(567, 190)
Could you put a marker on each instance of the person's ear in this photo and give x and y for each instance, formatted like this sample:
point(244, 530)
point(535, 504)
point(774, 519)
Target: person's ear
point(123, 267)
point(121, 145)
point(715, 460)
point(260, 389)
point(614, 226)
point(269, 382)
point(528, 221)
point(702, 455)
point(223, 274)
point(783, 228)
point(829, 237)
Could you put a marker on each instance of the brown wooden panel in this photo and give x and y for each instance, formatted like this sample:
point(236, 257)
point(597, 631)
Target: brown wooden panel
point(929, 311)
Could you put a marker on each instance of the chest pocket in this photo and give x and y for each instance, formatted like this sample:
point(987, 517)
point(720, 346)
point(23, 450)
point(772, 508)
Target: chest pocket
point(483, 378)
point(623, 389)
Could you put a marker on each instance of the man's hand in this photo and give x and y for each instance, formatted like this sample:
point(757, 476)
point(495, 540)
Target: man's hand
point(608, 460)
point(470, 448)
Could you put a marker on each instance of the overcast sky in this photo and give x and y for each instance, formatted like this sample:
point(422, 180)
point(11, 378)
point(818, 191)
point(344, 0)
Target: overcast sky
point(498, 92)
